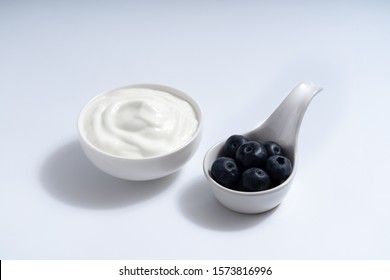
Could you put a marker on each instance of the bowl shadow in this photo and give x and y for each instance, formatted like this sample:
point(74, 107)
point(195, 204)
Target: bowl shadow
point(71, 178)
point(198, 204)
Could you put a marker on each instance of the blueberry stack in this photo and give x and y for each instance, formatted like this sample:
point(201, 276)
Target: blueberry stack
point(250, 166)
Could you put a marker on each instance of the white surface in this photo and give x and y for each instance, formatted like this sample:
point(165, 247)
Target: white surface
point(238, 59)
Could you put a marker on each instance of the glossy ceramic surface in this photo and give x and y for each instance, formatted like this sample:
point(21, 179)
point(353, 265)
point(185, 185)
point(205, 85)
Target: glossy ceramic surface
point(282, 127)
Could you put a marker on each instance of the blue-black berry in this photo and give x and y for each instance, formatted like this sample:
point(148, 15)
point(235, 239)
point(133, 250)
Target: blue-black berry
point(225, 172)
point(279, 168)
point(273, 148)
point(251, 154)
point(255, 179)
point(231, 145)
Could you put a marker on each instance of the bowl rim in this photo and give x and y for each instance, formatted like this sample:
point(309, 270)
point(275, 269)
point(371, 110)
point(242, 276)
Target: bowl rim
point(174, 91)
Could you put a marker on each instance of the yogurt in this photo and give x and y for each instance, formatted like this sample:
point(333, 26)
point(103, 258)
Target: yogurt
point(139, 122)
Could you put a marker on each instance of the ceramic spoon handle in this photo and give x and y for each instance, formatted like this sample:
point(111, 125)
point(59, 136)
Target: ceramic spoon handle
point(284, 123)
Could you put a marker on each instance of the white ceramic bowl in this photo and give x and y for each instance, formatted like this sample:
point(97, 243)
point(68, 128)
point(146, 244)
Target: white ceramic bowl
point(140, 169)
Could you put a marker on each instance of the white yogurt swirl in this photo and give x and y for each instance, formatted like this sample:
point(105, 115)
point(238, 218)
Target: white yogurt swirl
point(139, 122)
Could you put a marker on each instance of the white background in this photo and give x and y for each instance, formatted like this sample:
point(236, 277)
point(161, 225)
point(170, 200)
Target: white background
point(238, 59)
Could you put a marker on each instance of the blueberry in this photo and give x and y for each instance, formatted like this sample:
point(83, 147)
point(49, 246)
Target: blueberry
point(273, 148)
point(239, 186)
point(225, 172)
point(231, 145)
point(279, 168)
point(255, 179)
point(251, 154)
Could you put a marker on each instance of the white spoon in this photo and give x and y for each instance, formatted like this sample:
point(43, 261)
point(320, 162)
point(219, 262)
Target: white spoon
point(282, 127)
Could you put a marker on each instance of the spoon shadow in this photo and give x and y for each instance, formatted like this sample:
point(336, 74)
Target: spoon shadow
point(68, 176)
point(198, 204)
